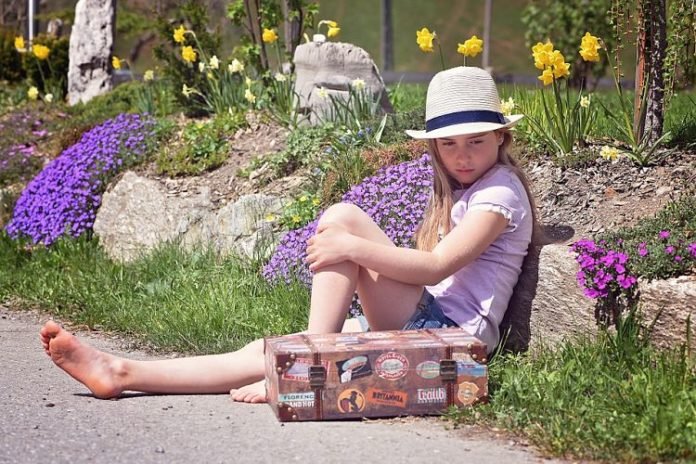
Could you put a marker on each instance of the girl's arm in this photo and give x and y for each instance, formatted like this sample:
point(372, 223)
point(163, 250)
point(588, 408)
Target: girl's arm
point(474, 233)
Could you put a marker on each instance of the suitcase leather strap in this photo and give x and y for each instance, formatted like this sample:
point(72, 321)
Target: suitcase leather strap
point(449, 383)
point(317, 376)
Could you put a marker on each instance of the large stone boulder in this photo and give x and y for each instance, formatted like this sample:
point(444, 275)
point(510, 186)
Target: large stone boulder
point(138, 214)
point(333, 66)
point(91, 48)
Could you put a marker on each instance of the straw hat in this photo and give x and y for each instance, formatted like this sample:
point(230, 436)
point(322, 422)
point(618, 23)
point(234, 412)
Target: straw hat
point(461, 101)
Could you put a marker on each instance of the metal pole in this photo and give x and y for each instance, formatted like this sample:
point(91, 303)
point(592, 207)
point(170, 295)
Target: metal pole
point(486, 34)
point(387, 36)
point(32, 22)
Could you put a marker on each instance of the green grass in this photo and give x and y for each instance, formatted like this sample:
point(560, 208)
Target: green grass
point(613, 397)
point(190, 302)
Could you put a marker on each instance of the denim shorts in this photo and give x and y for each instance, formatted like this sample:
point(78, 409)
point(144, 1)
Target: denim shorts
point(428, 315)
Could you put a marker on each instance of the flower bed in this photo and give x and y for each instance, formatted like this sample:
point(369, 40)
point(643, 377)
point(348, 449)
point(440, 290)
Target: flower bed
point(63, 198)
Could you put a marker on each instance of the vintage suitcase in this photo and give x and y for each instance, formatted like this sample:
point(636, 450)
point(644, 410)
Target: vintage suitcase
point(374, 374)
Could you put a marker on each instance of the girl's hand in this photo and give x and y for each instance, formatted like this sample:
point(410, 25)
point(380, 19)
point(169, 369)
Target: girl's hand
point(328, 246)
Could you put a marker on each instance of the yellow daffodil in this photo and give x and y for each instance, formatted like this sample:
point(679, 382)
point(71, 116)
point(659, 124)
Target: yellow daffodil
point(316, 202)
point(506, 106)
point(188, 54)
point(280, 77)
point(41, 52)
point(556, 57)
point(296, 219)
point(179, 34)
point(236, 66)
point(209, 75)
point(542, 54)
point(333, 31)
point(328, 22)
point(19, 44)
point(561, 70)
point(609, 153)
point(249, 96)
point(470, 47)
point(33, 93)
point(115, 62)
point(269, 35)
point(358, 84)
point(546, 76)
point(214, 62)
point(424, 39)
point(589, 47)
point(585, 101)
point(149, 75)
point(48, 98)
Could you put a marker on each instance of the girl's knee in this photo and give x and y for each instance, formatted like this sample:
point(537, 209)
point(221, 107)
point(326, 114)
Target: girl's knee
point(344, 214)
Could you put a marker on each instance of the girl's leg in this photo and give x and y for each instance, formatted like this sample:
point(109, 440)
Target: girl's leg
point(108, 376)
point(387, 303)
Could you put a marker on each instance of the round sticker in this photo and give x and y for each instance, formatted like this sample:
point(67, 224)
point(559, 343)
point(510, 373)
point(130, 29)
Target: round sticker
point(351, 401)
point(428, 369)
point(467, 392)
point(391, 366)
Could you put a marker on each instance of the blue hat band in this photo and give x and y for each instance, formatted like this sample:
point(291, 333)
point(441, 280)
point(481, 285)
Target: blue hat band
point(463, 117)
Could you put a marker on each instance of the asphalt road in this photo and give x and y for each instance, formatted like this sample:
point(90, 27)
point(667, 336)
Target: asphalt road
point(49, 417)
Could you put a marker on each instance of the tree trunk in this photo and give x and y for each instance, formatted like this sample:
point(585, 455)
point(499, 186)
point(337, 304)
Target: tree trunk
point(651, 48)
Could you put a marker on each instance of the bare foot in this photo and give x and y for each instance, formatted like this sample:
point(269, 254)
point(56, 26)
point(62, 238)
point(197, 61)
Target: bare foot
point(252, 393)
point(96, 370)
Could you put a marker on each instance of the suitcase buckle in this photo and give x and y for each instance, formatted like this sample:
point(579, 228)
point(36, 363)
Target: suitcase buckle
point(448, 370)
point(317, 376)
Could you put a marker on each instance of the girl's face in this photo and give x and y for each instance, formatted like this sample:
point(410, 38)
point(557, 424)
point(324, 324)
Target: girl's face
point(468, 157)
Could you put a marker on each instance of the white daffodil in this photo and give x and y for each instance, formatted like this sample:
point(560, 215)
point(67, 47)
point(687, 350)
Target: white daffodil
point(585, 101)
point(506, 106)
point(48, 98)
point(322, 93)
point(358, 84)
point(236, 66)
point(149, 75)
point(214, 62)
point(201, 66)
point(280, 77)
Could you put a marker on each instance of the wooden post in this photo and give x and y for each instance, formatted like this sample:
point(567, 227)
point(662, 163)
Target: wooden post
point(387, 36)
point(488, 9)
point(293, 19)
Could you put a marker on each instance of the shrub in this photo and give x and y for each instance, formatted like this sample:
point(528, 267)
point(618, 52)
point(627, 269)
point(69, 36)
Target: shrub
point(11, 69)
point(64, 197)
point(50, 75)
point(395, 198)
point(203, 145)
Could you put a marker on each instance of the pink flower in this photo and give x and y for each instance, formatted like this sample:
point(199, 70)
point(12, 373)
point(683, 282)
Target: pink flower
point(664, 234)
point(678, 259)
point(669, 250)
point(692, 249)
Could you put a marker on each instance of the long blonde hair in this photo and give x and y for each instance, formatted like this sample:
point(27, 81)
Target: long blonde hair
point(437, 215)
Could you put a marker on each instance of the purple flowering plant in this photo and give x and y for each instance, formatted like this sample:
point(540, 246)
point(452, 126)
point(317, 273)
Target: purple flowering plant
point(395, 198)
point(656, 248)
point(64, 197)
point(20, 156)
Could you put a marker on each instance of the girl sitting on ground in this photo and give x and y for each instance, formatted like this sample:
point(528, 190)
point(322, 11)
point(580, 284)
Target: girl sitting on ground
point(468, 257)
